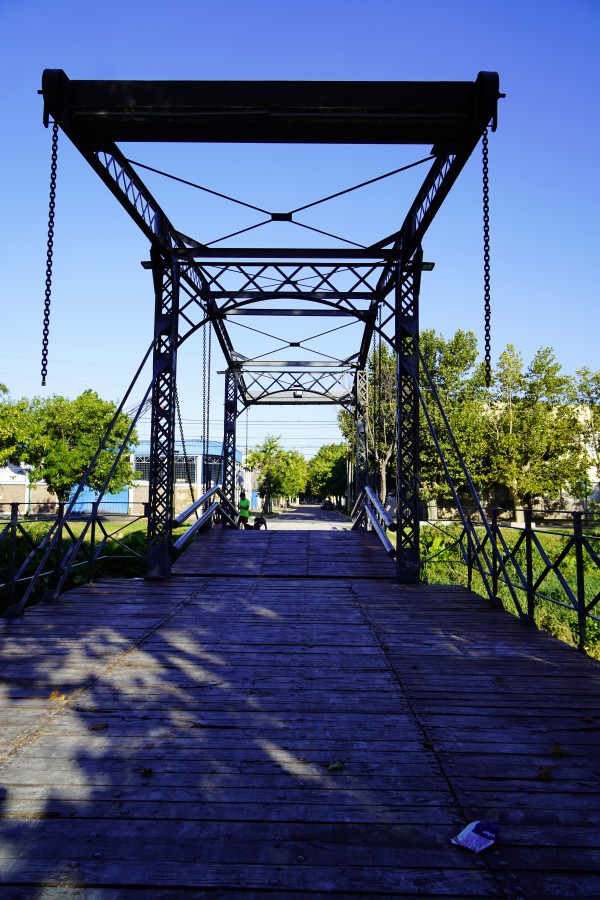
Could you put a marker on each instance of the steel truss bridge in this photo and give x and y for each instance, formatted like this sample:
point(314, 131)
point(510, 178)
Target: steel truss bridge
point(375, 288)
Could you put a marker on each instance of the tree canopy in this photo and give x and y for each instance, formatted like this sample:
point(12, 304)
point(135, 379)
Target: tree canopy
point(588, 399)
point(327, 472)
point(56, 438)
point(534, 443)
point(381, 415)
point(459, 381)
point(281, 473)
point(533, 433)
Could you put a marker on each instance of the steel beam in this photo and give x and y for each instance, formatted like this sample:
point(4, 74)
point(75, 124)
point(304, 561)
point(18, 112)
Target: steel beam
point(165, 273)
point(407, 422)
point(361, 412)
point(348, 112)
point(438, 182)
point(229, 430)
point(270, 254)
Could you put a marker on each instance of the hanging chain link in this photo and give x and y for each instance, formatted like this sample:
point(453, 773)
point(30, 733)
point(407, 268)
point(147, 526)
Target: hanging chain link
point(486, 261)
point(49, 253)
point(185, 456)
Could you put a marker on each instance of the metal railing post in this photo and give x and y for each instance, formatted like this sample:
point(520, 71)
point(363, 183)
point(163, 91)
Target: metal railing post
point(471, 550)
point(12, 551)
point(494, 531)
point(530, 618)
point(580, 575)
point(93, 541)
point(60, 512)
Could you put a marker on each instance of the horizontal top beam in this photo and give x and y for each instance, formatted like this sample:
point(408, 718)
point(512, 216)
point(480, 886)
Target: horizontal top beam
point(253, 311)
point(290, 365)
point(337, 112)
point(273, 255)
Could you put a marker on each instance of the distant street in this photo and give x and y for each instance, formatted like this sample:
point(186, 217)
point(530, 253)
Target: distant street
point(309, 517)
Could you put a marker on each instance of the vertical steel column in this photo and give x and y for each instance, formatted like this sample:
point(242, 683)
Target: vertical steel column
point(408, 283)
point(361, 471)
point(165, 272)
point(231, 411)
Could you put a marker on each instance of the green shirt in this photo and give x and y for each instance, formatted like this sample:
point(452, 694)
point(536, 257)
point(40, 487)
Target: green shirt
point(245, 508)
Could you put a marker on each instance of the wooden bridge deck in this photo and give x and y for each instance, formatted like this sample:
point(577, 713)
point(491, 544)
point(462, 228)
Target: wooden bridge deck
point(273, 733)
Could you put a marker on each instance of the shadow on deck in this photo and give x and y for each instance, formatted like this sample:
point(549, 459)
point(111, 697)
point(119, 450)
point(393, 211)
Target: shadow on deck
point(282, 732)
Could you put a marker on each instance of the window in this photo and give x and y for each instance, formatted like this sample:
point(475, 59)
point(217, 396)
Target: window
point(142, 466)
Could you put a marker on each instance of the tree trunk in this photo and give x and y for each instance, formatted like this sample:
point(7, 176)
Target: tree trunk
point(382, 481)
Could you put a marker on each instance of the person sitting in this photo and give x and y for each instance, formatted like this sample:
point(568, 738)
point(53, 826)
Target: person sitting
point(260, 522)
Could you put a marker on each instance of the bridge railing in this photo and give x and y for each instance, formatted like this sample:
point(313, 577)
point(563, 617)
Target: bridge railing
point(41, 546)
point(368, 511)
point(531, 567)
point(47, 548)
point(221, 509)
point(517, 570)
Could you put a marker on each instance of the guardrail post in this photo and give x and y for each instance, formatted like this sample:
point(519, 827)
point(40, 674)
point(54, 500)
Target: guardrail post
point(530, 618)
point(12, 551)
point(580, 574)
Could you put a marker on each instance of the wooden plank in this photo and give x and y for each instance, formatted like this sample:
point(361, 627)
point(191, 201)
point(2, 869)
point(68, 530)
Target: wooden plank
point(200, 719)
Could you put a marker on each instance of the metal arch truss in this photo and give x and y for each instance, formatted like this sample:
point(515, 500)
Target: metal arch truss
point(359, 288)
point(289, 386)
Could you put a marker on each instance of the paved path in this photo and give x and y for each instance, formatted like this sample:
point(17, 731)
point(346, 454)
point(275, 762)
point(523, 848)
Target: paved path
point(309, 517)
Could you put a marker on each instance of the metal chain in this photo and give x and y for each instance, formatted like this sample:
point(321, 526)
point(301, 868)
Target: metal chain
point(185, 456)
point(49, 253)
point(486, 260)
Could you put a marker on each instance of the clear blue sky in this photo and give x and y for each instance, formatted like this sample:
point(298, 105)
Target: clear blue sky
point(545, 191)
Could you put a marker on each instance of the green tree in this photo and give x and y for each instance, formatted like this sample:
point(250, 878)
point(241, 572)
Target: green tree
point(281, 473)
point(57, 438)
point(534, 433)
point(588, 399)
point(381, 415)
point(295, 474)
point(460, 383)
point(327, 472)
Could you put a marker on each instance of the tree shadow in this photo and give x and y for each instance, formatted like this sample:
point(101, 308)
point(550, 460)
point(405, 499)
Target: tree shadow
point(214, 735)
